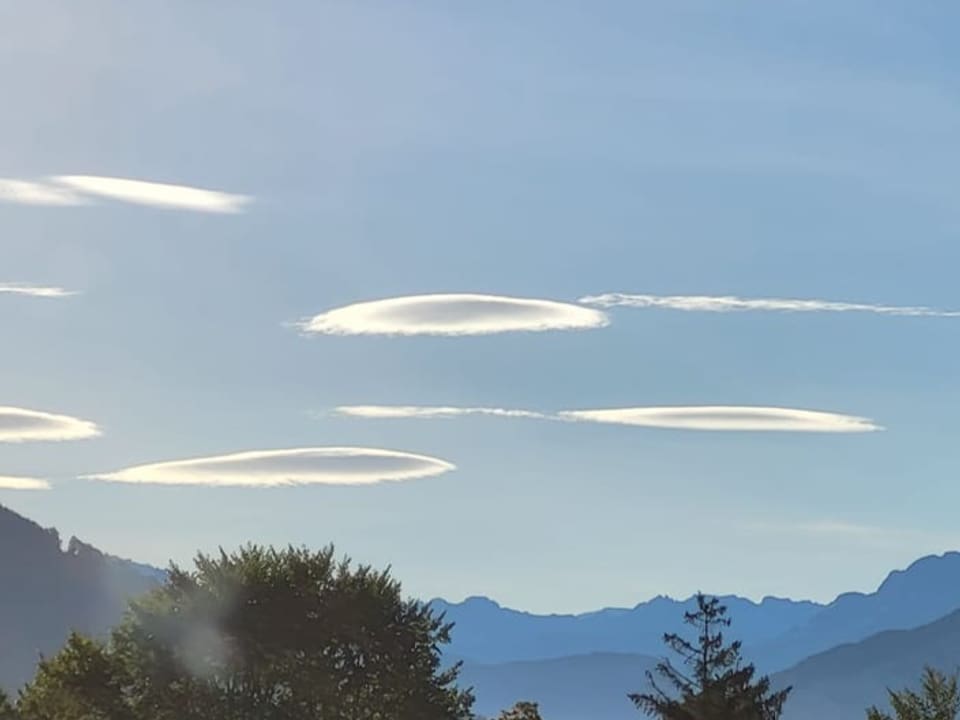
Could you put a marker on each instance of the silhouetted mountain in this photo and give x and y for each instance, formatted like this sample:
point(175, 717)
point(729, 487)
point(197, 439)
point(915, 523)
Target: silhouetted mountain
point(46, 591)
point(487, 633)
point(927, 590)
point(583, 687)
point(840, 683)
point(776, 633)
point(835, 685)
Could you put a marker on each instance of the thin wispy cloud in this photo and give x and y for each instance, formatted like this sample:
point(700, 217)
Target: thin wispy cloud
point(730, 303)
point(727, 418)
point(428, 412)
point(72, 190)
point(9, 482)
point(453, 314)
point(275, 468)
point(34, 290)
point(21, 425)
point(841, 532)
point(716, 418)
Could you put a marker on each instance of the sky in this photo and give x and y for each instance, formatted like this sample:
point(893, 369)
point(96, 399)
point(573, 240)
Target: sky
point(489, 249)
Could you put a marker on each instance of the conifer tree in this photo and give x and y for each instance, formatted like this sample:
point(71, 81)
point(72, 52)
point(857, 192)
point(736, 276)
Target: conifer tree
point(939, 699)
point(714, 683)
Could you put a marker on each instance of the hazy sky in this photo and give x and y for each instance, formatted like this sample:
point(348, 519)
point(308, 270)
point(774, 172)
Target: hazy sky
point(551, 151)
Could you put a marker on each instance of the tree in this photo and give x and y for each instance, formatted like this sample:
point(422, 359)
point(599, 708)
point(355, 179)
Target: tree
point(82, 681)
point(261, 634)
point(715, 685)
point(938, 700)
point(522, 711)
point(7, 710)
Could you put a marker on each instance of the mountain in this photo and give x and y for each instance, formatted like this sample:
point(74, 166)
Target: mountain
point(47, 591)
point(583, 687)
point(838, 684)
point(776, 633)
point(928, 589)
point(486, 633)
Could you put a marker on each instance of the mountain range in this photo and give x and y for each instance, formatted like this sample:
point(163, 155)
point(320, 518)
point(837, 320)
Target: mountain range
point(839, 657)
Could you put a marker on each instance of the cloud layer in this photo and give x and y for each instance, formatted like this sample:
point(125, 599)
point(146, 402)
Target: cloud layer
point(272, 468)
point(21, 425)
point(34, 290)
point(419, 411)
point(8, 482)
point(68, 190)
point(453, 314)
point(725, 303)
point(726, 418)
point(717, 417)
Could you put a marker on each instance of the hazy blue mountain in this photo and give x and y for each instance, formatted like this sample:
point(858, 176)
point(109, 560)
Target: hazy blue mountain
point(487, 633)
point(583, 687)
point(925, 591)
point(776, 633)
point(838, 684)
point(46, 591)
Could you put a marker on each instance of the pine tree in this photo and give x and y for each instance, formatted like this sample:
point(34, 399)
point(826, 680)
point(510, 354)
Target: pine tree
point(715, 684)
point(939, 699)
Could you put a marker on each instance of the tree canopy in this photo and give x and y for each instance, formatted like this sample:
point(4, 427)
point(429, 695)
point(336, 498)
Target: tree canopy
point(522, 711)
point(260, 634)
point(715, 684)
point(938, 699)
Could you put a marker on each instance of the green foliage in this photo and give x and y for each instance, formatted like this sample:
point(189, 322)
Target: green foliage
point(82, 682)
point(260, 635)
point(938, 700)
point(522, 711)
point(7, 710)
point(715, 685)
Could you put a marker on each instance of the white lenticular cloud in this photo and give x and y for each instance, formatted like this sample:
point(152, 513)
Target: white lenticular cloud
point(8, 482)
point(273, 468)
point(21, 425)
point(725, 303)
point(427, 412)
point(34, 290)
point(727, 418)
point(28, 192)
point(72, 190)
point(141, 192)
point(453, 314)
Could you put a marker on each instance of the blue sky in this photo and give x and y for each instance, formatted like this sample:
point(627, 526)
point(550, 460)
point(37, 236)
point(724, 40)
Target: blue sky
point(538, 150)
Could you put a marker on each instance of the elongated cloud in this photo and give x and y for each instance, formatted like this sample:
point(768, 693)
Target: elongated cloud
point(142, 192)
point(726, 418)
point(427, 412)
point(27, 192)
point(720, 417)
point(271, 468)
point(8, 482)
point(21, 425)
point(453, 314)
point(34, 290)
point(67, 190)
point(725, 303)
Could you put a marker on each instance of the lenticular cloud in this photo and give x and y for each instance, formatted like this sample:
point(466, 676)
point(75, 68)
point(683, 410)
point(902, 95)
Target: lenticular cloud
point(21, 425)
point(729, 303)
point(712, 417)
point(427, 412)
point(272, 468)
point(8, 482)
point(453, 314)
point(736, 418)
point(33, 291)
point(71, 190)
point(155, 194)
